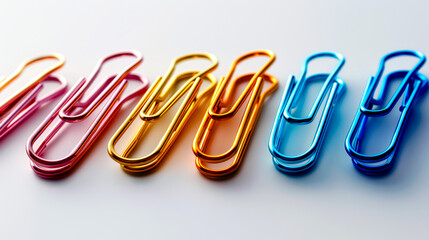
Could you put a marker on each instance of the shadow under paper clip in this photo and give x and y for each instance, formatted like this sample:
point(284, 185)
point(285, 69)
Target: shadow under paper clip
point(333, 88)
point(73, 110)
point(218, 111)
point(26, 101)
point(155, 104)
point(413, 85)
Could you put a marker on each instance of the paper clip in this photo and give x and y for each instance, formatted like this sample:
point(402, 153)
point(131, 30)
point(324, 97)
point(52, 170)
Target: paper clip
point(155, 104)
point(218, 111)
point(332, 89)
point(105, 101)
point(412, 86)
point(26, 100)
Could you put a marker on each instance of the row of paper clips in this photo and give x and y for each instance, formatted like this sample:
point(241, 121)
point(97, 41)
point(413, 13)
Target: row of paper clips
point(186, 90)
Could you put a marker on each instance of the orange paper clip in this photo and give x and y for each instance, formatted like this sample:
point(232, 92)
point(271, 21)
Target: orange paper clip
point(218, 111)
point(98, 108)
point(27, 100)
point(154, 105)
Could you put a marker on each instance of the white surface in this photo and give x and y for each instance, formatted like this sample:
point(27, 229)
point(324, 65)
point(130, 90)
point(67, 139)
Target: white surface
point(102, 202)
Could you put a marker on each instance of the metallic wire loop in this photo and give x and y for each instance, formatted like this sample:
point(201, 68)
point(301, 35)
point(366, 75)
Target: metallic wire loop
point(332, 88)
point(106, 100)
point(157, 101)
point(218, 111)
point(413, 84)
point(27, 100)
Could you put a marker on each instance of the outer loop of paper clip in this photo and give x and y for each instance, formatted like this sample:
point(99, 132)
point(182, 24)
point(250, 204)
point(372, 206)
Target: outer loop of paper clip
point(412, 86)
point(221, 100)
point(335, 87)
point(113, 91)
point(148, 110)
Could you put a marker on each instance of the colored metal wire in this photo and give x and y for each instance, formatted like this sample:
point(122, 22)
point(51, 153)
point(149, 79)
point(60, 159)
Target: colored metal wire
point(155, 104)
point(332, 89)
point(27, 100)
point(412, 86)
point(218, 111)
point(102, 105)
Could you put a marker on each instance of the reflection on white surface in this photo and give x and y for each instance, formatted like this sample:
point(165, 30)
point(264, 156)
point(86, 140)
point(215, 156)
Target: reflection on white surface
point(332, 202)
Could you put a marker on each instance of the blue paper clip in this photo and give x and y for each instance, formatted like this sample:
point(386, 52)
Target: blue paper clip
point(332, 87)
point(413, 84)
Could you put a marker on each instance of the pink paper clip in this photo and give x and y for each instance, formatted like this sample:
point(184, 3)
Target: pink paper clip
point(72, 110)
point(27, 100)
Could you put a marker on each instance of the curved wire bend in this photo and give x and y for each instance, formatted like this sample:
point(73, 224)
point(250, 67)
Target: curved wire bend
point(333, 88)
point(218, 111)
point(155, 103)
point(106, 99)
point(413, 84)
point(26, 100)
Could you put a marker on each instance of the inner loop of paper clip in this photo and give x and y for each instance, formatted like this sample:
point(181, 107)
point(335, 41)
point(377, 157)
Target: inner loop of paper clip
point(101, 92)
point(302, 82)
point(164, 86)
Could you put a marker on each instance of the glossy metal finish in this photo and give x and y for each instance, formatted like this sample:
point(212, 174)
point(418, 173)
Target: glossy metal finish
point(218, 111)
point(27, 100)
point(155, 104)
point(413, 84)
point(72, 110)
point(332, 89)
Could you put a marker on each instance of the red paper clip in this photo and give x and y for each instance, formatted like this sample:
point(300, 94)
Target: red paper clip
point(72, 110)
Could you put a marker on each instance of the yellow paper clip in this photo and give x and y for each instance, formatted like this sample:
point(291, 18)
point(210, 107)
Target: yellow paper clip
point(218, 111)
point(154, 104)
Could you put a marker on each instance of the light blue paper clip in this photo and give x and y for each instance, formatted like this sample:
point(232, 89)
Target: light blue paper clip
point(332, 88)
point(413, 84)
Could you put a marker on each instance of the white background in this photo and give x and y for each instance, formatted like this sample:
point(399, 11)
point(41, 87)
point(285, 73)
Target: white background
point(334, 201)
